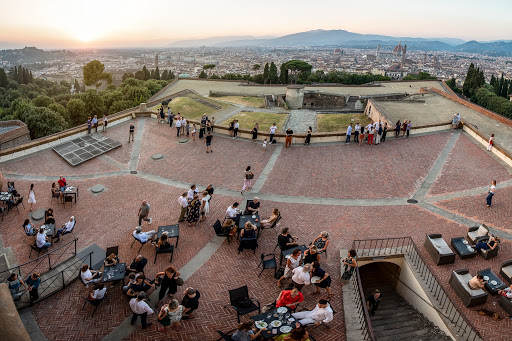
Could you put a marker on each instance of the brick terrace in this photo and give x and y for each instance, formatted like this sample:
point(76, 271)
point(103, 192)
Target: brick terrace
point(397, 167)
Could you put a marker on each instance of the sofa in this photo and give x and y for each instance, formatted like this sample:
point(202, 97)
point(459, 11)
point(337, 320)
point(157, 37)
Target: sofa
point(506, 304)
point(488, 254)
point(439, 249)
point(459, 281)
point(506, 271)
point(477, 232)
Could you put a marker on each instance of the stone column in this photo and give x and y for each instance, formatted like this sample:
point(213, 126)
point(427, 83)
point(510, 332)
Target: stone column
point(294, 96)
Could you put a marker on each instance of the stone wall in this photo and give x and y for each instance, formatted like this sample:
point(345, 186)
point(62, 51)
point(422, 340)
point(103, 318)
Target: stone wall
point(11, 326)
point(323, 101)
point(15, 137)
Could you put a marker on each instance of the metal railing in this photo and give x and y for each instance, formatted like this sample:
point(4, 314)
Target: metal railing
point(405, 246)
point(361, 310)
point(42, 263)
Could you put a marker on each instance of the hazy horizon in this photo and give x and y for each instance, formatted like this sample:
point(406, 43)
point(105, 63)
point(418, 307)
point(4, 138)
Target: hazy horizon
point(126, 24)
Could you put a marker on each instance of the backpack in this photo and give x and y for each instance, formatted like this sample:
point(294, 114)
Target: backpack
point(250, 176)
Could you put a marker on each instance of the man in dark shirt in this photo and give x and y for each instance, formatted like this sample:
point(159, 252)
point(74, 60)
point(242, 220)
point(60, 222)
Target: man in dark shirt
point(210, 190)
point(191, 302)
point(132, 131)
point(289, 137)
point(137, 265)
point(253, 206)
point(140, 284)
point(373, 301)
point(208, 142)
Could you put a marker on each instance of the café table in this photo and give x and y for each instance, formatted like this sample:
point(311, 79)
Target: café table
point(494, 283)
point(114, 273)
point(287, 252)
point(5, 196)
point(463, 248)
point(173, 231)
point(50, 229)
point(282, 314)
point(252, 218)
point(71, 190)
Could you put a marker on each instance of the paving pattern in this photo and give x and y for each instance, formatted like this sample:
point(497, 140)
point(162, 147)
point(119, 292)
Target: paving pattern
point(353, 192)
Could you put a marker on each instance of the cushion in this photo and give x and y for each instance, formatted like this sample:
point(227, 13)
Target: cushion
point(441, 246)
point(507, 270)
point(473, 234)
point(482, 231)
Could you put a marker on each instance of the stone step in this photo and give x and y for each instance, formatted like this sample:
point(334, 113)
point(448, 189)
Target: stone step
point(416, 335)
point(391, 322)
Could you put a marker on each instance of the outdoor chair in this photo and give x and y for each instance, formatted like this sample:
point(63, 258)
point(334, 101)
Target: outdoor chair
point(272, 227)
point(54, 195)
point(112, 250)
point(242, 303)
point(169, 249)
point(506, 304)
point(270, 263)
point(226, 336)
point(136, 240)
point(3, 210)
point(439, 250)
point(18, 202)
point(68, 232)
point(506, 270)
point(248, 243)
point(488, 254)
point(33, 247)
point(94, 303)
point(459, 281)
point(68, 198)
point(475, 233)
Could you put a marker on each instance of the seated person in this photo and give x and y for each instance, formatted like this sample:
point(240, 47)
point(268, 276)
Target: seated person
point(30, 229)
point(289, 298)
point(141, 284)
point(477, 282)
point(14, 283)
point(253, 206)
point(48, 216)
point(137, 265)
point(299, 333)
point(190, 302)
point(507, 292)
point(490, 245)
point(143, 237)
point(285, 239)
point(111, 260)
point(10, 187)
point(321, 314)
point(98, 294)
point(249, 231)
point(322, 241)
point(42, 239)
point(56, 193)
point(66, 228)
point(233, 213)
point(62, 183)
point(229, 227)
point(131, 279)
point(246, 332)
point(162, 243)
point(268, 222)
point(13, 201)
point(89, 276)
point(311, 255)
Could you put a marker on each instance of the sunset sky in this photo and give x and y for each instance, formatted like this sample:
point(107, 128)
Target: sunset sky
point(135, 23)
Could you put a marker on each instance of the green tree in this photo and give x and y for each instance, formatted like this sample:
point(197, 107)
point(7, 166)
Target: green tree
point(127, 75)
point(77, 111)
point(266, 74)
point(283, 76)
point(256, 67)
point(468, 86)
point(139, 75)
point(42, 122)
point(119, 106)
point(165, 75)
point(42, 101)
point(146, 73)
point(94, 74)
point(77, 86)
point(3, 78)
point(94, 104)
point(274, 79)
point(209, 68)
point(299, 69)
point(171, 76)
point(157, 73)
point(203, 74)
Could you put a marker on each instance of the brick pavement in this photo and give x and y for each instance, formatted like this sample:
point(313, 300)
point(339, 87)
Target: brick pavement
point(109, 218)
point(468, 166)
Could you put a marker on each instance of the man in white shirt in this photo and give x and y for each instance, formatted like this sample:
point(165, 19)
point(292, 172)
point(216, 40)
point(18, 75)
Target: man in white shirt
point(66, 228)
point(140, 308)
point(41, 239)
point(183, 124)
point(183, 202)
point(349, 132)
point(98, 294)
point(143, 237)
point(178, 126)
point(233, 213)
point(301, 276)
point(357, 131)
point(191, 192)
point(321, 314)
point(273, 129)
point(236, 127)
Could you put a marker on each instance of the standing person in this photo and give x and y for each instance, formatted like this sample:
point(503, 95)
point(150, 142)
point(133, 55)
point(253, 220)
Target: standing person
point(210, 191)
point(193, 132)
point(491, 142)
point(173, 312)
point(187, 127)
point(293, 261)
point(454, 121)
point(33, 282)
point(14, 283)
point(254, 131)
point(458, 120)
point(144, 212)
point(205, 205)
point(349, 132)
point(289, 137)
point(89, 125)
point(408, 128)
point(132, 132)
point(397, 128)
point(202, 129)
point(183, 125)
point(350, 265)
point(31, 196)
point(183, 202)
point(384, 132)
point(404, 128)
point(272, 130)
point(491, 193)
point(373, 301)
point(208, 142)
point(248, 176)
point(301, 276)
point(236, 126)
point(231, 128)
point(370, 134)
point(190, 302)
point(357, 131)
point(208, 126)
point(307, 141)
point(193, 211)
point(105, 122)
point(361, 138)
point(378, 132)
point(212, 122)
point(169, 116)
point(170, 275)
point(95, 122)
point(325, 279)
point(140, 308)
point(178, 126)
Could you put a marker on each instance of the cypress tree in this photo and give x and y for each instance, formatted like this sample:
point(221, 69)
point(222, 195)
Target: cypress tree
point(283, 76)
point(266, 72)
point(165, 75)
point(3, 79)
point(494, 83)
point(469, 79)
point(15, 74)
point(273, 73)
point(157, 73)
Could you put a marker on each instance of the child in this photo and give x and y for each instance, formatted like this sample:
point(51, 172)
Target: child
point(193, 132)
point(265, 144)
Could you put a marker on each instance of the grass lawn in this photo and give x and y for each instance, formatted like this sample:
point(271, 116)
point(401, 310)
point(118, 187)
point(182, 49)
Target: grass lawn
point(339, 122)
point(250, 101)
point(247, 120)
point(190, 108)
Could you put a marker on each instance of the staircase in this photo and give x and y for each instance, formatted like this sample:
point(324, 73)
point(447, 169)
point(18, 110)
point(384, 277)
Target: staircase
point(395, 319)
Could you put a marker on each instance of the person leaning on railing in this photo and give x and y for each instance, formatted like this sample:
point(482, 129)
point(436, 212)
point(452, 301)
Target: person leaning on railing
point(350, 264)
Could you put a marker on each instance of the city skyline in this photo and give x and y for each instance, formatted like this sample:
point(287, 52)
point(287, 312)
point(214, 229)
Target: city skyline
point(103, 24)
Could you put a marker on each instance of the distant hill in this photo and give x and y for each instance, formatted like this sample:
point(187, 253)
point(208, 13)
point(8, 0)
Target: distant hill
point(30, 55)
point(212, 41)
point(495, 48)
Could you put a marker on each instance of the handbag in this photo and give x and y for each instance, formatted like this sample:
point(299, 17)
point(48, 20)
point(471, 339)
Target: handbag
point(179, 281)
point(250, 176)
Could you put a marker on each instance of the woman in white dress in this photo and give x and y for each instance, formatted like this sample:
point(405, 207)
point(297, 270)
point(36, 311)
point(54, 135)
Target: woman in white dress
point(293, 261)
point(491, 142)
point(31, 196)
point(205, 205)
